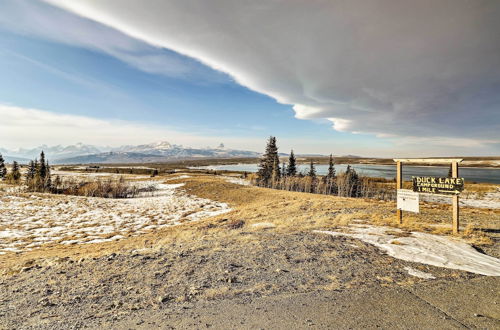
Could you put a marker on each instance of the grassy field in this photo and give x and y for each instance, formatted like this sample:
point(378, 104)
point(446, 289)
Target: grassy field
point(292, 211)
point(265, 246)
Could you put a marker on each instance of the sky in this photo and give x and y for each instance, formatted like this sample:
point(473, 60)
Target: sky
point(381, 78)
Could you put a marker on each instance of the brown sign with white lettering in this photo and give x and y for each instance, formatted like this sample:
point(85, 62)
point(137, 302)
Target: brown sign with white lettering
point(433, 185)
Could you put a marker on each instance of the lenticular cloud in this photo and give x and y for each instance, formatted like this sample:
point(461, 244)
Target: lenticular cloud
point(394, 68)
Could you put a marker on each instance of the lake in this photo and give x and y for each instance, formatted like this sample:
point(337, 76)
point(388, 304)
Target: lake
point(484, 175)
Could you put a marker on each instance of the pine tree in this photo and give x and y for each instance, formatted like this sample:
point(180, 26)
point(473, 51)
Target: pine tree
point(292, 166)
point(268, 163)
point(331, 168)
point(353, 183)
point(312, 175)
point(15, 175)
point(43, 167)
point(312, 171)
point(331, 179)
point(30, 174)
point(3, 168)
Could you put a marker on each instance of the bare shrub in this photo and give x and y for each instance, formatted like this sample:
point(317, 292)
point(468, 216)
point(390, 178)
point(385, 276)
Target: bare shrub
point(346, 184)
point(105, 188)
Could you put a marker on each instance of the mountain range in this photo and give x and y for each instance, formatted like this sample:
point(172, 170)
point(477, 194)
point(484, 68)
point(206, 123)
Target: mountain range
point(154, 152)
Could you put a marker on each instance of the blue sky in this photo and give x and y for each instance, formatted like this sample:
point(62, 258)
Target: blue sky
point(79, 78)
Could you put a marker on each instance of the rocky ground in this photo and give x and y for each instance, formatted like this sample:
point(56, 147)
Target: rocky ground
point(260, 266)
point(104, 291)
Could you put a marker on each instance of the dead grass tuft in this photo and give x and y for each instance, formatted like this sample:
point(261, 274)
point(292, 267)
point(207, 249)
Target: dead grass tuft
point(235, 224)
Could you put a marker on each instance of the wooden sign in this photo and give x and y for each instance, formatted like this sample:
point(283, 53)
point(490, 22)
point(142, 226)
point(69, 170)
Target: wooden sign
point(407, 200)
point(433, 185)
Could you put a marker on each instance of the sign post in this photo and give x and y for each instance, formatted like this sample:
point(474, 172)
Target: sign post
point(399, 185)
point(431, 185)
point(456, 221)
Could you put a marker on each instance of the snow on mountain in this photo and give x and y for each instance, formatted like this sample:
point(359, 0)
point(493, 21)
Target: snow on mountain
point(157, 148)
point(157, 151)
point(53, 152)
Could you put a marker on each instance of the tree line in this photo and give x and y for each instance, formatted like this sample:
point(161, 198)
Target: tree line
point(286, 176)
point(37, 177)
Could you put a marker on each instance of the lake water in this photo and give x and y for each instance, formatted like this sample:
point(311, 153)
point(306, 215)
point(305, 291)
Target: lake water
point(485, 175)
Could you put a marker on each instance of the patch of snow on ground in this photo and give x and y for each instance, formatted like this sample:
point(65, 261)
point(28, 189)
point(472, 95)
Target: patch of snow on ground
point(30, 220)
point(263, 225)
point(234, 180)
point(179, 177)
point(424, 248)
point(490, 200)
point(418, 273)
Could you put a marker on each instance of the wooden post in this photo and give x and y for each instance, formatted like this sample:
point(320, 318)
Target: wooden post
point(399, 185)
point(456, 219)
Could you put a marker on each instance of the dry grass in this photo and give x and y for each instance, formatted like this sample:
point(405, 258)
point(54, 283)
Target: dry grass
point(287, 211)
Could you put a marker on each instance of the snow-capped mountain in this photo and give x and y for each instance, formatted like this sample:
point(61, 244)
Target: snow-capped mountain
point(154, 152)
point(53, 152)
point(157, 148)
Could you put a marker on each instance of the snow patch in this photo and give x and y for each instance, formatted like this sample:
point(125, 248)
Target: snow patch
point(418, 273)
point(239, 181)
point(263, 225)
point(424, 248)
point(179, 177)
point(30, 220)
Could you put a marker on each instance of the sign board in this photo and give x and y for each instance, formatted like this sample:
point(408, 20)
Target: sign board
point(408, 200)
point(433, 185)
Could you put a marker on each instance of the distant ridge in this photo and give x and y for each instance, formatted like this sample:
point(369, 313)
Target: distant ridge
point(154, 152)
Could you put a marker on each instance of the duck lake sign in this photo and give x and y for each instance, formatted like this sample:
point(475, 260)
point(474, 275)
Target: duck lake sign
point(434, 185)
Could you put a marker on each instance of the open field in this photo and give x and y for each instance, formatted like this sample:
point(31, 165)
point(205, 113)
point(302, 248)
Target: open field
point(265, 262)
point(29, 220)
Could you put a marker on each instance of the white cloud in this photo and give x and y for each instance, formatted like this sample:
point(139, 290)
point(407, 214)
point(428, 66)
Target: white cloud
point(22, 127)
point(402, 68)
point(42, 20)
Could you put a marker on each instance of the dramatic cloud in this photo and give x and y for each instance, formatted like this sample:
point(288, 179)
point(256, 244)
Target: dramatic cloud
point(400, 68)
point(21, 127)
point(39, 19)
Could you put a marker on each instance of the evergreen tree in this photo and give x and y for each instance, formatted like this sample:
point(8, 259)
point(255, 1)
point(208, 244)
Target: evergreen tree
point(42, 171)
point(15, 175)
point(331, 177)
point(331, 168)
point(269, 163)
point(312, 171)
point(292, 166)
point(312, 175)
point(3, 168)
point(353, 183)
point(30, 174)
